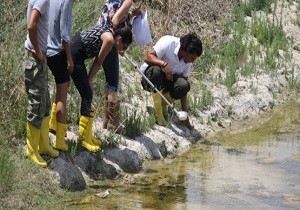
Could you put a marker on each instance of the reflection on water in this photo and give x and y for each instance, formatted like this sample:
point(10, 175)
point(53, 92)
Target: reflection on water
point(264, 175)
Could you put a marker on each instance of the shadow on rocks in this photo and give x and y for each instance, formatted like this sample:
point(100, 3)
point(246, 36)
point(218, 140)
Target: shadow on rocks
point(126, 159)
point(94, 166)
point(181, 130)
point(70, 175)
point(156, 150)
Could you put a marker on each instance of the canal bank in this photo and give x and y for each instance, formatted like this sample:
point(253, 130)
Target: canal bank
point(255, 165)
point(252, 96)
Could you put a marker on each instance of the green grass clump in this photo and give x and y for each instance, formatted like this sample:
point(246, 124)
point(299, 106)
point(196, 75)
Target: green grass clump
point(7, 169)
point(137, 123)
point(256, 5)
point(198, 103)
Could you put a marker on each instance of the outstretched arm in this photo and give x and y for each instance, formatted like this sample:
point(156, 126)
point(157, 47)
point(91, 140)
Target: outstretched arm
point(121, 12)
point(107, 43)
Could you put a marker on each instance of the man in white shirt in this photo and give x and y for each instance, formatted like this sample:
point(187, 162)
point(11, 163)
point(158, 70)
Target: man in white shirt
point(168, 66)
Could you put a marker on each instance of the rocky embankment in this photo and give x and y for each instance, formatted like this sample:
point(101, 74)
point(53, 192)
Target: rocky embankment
point(255, 95)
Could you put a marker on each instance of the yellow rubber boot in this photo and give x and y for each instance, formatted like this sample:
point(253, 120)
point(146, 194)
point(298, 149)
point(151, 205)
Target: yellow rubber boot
point(44, 145)
point(53, 120)
point(85, 132)
point(60, 137)
point(32, 140)
point(164, 104)
point(159, 109)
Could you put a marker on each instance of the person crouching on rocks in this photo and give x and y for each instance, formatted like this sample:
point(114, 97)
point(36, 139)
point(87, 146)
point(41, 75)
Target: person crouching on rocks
point(168, 66)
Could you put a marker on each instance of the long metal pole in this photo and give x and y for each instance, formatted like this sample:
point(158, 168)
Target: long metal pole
point(151, 84)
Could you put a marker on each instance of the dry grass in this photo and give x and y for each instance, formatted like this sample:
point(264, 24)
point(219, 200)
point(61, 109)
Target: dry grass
point(180, 17)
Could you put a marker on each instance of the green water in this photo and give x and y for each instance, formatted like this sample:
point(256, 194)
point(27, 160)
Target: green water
point(255, 169)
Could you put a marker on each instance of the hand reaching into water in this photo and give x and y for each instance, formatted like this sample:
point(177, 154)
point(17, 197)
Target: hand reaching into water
point(187, 124)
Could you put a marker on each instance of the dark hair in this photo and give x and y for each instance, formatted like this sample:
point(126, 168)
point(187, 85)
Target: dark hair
point(191, 43)
point(125, 33)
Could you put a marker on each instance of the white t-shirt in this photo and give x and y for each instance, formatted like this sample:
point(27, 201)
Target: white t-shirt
point(167, 49)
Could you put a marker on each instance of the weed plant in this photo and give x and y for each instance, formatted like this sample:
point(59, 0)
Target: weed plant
point(255, 5)
point(113, 140)
point(269, 34)
point(298, 15)
point(6, 174)
point(137, 123)
point(294, 81)
point(208, 59)
point(198, 103)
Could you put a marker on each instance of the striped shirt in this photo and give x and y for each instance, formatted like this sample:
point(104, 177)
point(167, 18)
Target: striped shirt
point(91, 40)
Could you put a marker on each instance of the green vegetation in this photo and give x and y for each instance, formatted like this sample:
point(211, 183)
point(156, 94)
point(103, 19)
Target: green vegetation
point(250, 42)
point(137, 123)
point(298, 16)
point(293, 81)
point(198, 103)
point(22, 184)
point(249, 7)
point(255, 42)
point(7, 169)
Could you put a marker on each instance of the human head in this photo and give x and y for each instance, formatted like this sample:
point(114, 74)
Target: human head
point(190, 47)
point(123, 38)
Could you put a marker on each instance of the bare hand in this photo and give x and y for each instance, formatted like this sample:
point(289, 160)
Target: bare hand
point(169, 73)
point(41, 56)
point(91, 83)
point(70, 67)
point(122, 53)
point(137, 11)
point(187, 124)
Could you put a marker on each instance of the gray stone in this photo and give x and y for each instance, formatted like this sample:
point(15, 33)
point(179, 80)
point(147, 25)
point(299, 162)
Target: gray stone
point(70, 175)
point(94, 166)
point(126, 159)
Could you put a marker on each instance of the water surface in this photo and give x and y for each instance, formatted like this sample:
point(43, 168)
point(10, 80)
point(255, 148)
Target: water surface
point(255, 169)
